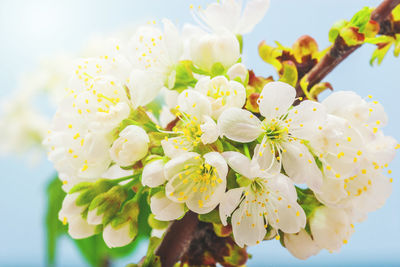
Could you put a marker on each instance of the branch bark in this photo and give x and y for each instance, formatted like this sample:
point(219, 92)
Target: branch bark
point(340, 51)
point(177, 239)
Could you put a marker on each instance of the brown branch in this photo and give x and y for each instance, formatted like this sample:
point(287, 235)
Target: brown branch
point(177, 239)
point(340, 51)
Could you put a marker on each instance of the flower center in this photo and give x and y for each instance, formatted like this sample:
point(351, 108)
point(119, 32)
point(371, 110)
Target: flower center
point(275, 131)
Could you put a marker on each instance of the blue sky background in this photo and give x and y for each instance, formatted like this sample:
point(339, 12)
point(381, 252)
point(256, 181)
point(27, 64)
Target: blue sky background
point(31, 29)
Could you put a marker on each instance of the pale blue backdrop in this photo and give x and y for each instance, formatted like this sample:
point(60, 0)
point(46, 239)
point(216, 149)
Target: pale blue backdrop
point(31, 29)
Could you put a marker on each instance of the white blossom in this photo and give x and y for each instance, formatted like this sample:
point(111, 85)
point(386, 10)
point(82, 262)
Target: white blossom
point(282, 133)
point(268, 199)
point(154, 54)
point(195, 126)
point(198, 181)
point(70, 214)
point(206, 49)
point(222, 93)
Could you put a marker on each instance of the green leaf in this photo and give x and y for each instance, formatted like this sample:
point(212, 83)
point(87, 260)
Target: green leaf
point(289, 74)
point(361, 18)
point(54, 228)
point(184, 76)
point(380, 53)
point(379, 39)
point(335, 30)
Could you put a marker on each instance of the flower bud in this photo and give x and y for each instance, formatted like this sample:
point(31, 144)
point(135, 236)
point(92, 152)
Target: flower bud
point(123, 228)
point(210, 49)
point(71, 213)
point(121, 235)
point(238, 71)
point(131, 146)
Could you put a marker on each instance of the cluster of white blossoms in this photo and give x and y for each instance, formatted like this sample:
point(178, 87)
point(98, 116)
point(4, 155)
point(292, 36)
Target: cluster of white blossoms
point(163, 113)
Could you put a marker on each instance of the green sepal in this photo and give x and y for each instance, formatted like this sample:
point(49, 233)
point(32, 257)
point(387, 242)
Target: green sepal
point(243, 181)
point(237, 256)
point(307, 200)
point(109, 203)
point(221, 230)
point(217, 69)
point(156, 224)
point(231, 180)
point(270, 54)
point(155, 106)
point(211, 217)
point(88, 194)
point(352, 36)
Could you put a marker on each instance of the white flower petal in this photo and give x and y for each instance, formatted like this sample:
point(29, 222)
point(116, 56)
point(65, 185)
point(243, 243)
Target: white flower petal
point(248, 230)
point(194, 104)
point(239, 163)
point(93, 218)
point(210, 130)
point(177, 164)
point(144, 86)
point(299, 164)
point(252, 15)
point(79, 228)
point(229, 202)
point(164, 209)
point(239, 125)
point(275, 99)
point(330, 227)
point(118, 237)
point(301, 245)
point(306, 118)
point(238, 71)
point(131, 146)
point(153, 173)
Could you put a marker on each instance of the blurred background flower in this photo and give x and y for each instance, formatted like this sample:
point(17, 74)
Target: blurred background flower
point(41, 40)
